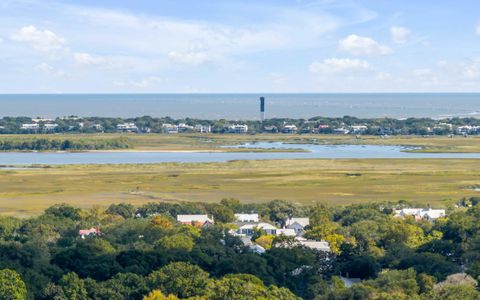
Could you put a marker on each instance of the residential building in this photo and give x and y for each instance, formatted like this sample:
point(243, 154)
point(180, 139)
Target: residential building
point(315, 245)
point(358, 129)
point(50, 127)
point(238, 128)
point(32, 126)
point(203, 128)
point(298, 225)
point(341, 130)
point(249, 229)
point(286, 232)
point(289, 129)
point(255, 248)
point(247, 218)
point(170, 128)
point(89, 232)
point(194, 219)
point(421, 213)
point(127, 127)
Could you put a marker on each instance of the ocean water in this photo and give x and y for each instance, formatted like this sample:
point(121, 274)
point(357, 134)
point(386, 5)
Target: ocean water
point(242, 106)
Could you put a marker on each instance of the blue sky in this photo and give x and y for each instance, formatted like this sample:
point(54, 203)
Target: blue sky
point(232, 46)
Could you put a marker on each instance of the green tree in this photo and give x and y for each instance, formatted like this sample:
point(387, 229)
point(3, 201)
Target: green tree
point(73, 287)
point(181, 279)
point(12, 286)
point(177, 242)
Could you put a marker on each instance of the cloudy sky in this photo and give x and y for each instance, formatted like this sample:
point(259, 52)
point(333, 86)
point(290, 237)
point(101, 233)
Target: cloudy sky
point(167, 46)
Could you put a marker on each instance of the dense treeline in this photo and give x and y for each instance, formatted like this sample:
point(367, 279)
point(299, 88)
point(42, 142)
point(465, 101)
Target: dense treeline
point(143, 253)
point(60, 144)
point(380, 126)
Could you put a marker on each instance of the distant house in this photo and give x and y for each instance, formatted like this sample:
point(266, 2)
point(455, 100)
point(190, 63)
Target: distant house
point(41, 120)
point(255, 248)
point(32, 126)
point(298, 225)
point(315, 245)
point(290, 129)
point(286, 232)
point(196, 220)
point(170, 128)
point(358, 129)
point(238, 128)
point(182, 127)
point(249, 229)
point(248, 218)
point(421, 213)
point(127, 127)
point(341, 130)
point(270, 129)
point(89, 232)
point(50, 127)
point(203, 128)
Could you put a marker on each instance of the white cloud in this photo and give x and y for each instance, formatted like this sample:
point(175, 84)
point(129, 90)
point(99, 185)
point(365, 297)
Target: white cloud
point(41, 40)
point(50, 70)
point(359, 45)
point(422, 72)
point(89, 59)
point(189, 58)
point(339, 65)
point(399, 34)
point(477, 30)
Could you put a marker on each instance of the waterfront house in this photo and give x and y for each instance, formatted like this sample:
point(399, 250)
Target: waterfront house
point(291, 129)
point(238, 128)
point(203, 128)
point(127, 127)
point(50, 127)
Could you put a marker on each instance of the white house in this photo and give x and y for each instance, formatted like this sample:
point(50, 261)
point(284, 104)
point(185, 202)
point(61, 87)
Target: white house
point(255, 248)
point(421, 213)
point(170, 128)
point(129, 127)
point(32, 126)
point(289, 129)
point(247, 218)
point(341, 131)
point(358, 129)
point(194, 219)
point(238, 128)
point(286, 232)
point(298, 225)
point(315, 245)
point(49, 126)
point(203, 128)
point(249, 229)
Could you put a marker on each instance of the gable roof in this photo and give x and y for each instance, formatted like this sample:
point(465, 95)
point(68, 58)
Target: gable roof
point(194, 218)
point(301, 221)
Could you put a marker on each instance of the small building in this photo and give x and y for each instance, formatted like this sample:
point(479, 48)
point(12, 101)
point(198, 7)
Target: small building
point(42, 120)
point(270, 129)
point(201, 220)
point(341, 130)
point(298, 225)
point(253, 247)
point(89, 232)
point(290, 129)
point(249, 229)
point(238, 128)
point(170, 128)
point(31, 126)
point(358, 129)
point(203, 128)
point(127, 127)
point(247, 218)
point(420, 213)
point(286, 232)
point(182, 127)
point(315, 245)
point(50, 127)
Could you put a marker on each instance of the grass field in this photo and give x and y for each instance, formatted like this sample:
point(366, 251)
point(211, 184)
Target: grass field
point(438, 182)
point(191, 142)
